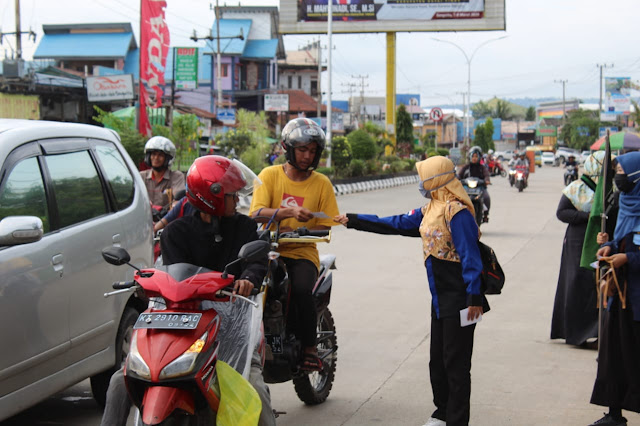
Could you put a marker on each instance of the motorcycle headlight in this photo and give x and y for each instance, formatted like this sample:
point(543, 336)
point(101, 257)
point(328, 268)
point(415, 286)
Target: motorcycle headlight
point(512, 172)
point(135, 362)
point(185, 363)
point(472, 183)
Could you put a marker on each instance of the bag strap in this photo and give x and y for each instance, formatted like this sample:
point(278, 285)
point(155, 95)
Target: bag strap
point(622, 294)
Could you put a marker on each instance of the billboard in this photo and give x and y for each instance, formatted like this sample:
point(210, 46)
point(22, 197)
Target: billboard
point(373, 16)
point(186, 64)
point(618, 95)
point(110, 88)
point(276, 102)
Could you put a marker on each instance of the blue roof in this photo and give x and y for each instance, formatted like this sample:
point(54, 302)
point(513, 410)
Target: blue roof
point(231, 28)
point(83, 45)
point(261, 49)
point(132, 63)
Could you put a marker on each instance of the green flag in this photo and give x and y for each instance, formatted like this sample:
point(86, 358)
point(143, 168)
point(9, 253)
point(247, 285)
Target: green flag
point(590, 245)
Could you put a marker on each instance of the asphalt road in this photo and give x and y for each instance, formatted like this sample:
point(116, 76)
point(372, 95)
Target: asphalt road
point(380, 303)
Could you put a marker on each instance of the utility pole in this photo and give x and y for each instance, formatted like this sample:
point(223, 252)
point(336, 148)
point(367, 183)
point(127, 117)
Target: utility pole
point(350, 89)
point(330, 71)
point(362, 86)
point(564, 110)
point(210, 37)
point(18, 33)
point(319, 59)
point(601, 66)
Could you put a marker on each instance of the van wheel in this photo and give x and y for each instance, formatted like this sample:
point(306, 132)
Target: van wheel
point(100, 382)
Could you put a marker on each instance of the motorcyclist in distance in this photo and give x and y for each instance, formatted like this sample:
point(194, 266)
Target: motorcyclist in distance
point(161, 182)
point(475, 169)
point(571, 161)
point(522, 163)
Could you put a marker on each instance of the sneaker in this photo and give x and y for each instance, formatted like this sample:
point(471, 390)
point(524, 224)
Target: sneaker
point(436, 422)
point(607, 420)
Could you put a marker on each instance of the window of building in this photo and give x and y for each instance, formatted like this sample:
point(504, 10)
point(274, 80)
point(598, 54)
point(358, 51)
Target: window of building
point(289, 81)
point(224, 70)
point(299, 82)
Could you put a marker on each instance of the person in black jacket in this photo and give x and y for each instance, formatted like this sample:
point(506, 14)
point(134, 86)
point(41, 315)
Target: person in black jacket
point(212, 238)
point(474, 168)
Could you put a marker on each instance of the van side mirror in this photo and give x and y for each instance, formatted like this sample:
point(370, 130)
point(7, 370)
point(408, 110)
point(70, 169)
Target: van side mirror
point(16, 230)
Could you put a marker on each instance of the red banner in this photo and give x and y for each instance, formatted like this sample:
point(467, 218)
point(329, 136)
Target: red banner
point(154, 48)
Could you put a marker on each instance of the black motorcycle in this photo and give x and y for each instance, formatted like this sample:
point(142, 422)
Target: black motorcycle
point(284, 351)
point(475, 190)
point(570, 174)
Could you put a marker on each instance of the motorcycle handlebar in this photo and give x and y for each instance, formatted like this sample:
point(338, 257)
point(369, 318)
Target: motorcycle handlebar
point(119, 285)
point(313, 233)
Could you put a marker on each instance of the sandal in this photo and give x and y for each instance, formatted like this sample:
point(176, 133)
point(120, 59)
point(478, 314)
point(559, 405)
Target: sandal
point(311, 362)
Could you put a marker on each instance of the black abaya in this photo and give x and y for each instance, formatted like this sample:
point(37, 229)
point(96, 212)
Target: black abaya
point(575, 312)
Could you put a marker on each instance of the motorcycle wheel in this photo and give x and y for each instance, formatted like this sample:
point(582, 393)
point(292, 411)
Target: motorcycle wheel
point(479, 215)
point(100, 382)
point(503, 173)
point(314, 388)
point(520, 187)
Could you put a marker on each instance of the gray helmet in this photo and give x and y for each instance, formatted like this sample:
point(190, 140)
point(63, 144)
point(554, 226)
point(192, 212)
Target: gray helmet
point(300, 132)
point(160, 143)
point(475, 150)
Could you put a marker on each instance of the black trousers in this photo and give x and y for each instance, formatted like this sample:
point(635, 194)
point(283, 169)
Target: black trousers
point(450, 369)
point(302, 311)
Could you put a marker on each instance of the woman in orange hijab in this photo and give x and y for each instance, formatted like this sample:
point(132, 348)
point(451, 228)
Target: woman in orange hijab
point(451, 257)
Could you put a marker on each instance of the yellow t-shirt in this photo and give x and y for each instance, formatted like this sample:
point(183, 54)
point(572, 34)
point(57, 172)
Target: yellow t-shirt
point(315, 193)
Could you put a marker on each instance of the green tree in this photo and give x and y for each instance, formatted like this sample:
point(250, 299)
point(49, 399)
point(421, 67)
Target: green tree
point(340, 152)
point(404, 126)
point(363, 147)
point(503, 110)
point(373, 129)
point(580, 129)
point(132, 141)
point(484, 135)
point(530, 115)
point(481, 110)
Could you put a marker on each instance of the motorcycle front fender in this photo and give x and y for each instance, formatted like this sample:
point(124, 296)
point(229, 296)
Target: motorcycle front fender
point(160, 401)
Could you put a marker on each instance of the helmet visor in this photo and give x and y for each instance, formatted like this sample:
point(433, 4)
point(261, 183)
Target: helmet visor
point(251, 179)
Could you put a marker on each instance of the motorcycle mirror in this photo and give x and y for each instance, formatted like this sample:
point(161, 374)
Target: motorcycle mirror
point(254, 250)
point(116, 256)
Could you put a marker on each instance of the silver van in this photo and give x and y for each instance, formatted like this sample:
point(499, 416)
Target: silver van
point(67, 191)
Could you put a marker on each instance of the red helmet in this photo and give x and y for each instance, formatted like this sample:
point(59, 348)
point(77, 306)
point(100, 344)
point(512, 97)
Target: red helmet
point(208, 180)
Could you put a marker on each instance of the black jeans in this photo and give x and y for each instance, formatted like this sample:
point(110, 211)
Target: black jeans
point(450, 369)
point(302, 312)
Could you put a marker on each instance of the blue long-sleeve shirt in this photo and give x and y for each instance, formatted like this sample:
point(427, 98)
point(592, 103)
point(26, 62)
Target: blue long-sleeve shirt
point(453, 285)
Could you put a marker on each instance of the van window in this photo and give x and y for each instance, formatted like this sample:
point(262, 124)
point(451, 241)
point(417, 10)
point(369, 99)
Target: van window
point(23, 194)
point(77, 187)
point(118, 175)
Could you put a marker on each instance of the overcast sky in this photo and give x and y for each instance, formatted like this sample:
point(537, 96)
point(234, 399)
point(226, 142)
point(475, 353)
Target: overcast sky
point(546, 40)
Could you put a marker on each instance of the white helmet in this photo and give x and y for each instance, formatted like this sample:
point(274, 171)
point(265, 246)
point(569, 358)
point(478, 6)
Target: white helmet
point(490, 152)
point(160, 143)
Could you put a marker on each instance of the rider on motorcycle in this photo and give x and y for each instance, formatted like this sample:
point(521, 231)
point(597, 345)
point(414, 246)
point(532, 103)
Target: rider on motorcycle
point(522, 164)
point(293, 194)
point(160, 180)
point(571, 161)
point(474, 169)
point(212, 238)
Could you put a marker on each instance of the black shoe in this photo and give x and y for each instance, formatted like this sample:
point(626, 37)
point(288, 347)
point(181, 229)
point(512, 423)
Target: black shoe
point(607, 420)
point(485, 218)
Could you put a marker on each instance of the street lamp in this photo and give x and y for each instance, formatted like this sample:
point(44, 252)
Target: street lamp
point(469, 59)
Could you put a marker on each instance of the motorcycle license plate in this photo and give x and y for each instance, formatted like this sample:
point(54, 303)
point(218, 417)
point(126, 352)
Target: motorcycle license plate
point(169, 320)
point(275, 341)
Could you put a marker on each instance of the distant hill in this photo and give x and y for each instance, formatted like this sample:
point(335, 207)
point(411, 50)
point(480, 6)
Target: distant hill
point(523, 102)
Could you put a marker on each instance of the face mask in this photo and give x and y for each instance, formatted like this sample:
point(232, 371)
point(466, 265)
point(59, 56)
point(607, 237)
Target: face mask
point(426, 193)
point(622, 182)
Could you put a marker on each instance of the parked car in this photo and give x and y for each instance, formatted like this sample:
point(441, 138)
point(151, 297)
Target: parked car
point(67, 191)
point(503, 155)
point(562, 154)
point(548, 157)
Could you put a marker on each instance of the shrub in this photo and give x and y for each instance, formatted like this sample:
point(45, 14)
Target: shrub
point(443, 151)
point(372, 167)
point(432, 152)
point(340, 152)
point(363, 147)
point(357, 168)
point(399, 166)
point(253, 157)
point(327, 171)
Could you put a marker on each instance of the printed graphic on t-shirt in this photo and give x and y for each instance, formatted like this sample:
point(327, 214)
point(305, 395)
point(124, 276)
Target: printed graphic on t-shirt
point(291, 201)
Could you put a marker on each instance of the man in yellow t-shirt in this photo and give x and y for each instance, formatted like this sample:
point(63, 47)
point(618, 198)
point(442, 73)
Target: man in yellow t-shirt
point(293, 194)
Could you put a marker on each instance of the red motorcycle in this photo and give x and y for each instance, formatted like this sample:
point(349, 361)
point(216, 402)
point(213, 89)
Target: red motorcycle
point(495, 168)
point(171, 371)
